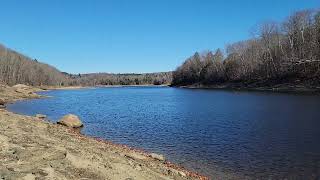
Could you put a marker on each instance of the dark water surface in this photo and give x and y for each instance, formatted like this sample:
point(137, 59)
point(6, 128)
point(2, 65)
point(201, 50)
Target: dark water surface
point(217, 133)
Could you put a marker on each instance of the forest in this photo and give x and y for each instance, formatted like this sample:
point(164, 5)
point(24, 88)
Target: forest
point(94, 79)
point(286, 52)
point(16, 68)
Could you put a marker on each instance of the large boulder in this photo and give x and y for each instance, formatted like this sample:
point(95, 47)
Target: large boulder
point(2, 104)
point(21, 86)
point(41, 116)
point(158, 157)
point(70, 120)
point(26, 90)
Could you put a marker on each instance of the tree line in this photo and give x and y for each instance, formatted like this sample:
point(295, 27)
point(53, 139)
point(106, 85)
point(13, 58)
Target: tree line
point(95, 79)
point(16, 68)
point(277, 53)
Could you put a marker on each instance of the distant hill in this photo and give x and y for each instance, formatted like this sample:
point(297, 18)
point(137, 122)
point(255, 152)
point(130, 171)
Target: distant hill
point(16, 68)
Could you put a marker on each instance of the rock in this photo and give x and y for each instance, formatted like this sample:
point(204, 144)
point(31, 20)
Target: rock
point(2, 102)
point(20, 91)
point(24, 89)
point(2, 106)
point(21, 86)
point(70, 120)
point(180, 173)
point(41, 116)
point(138, 167)
point(135, 156)
point(158, 156)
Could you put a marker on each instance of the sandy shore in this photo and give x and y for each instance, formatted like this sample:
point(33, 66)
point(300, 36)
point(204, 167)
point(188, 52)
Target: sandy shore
point(31, 148)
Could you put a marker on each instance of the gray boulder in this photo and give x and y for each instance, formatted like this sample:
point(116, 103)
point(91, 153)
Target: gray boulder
point(71, 120)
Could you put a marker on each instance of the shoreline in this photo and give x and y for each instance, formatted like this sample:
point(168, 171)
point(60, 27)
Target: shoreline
point(140, 85)
point(279, 88)
point(92, 87)
point(49, 88)
point(159, 169)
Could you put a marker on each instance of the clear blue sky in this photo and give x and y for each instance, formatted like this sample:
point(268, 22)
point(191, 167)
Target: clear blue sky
point(80, 36)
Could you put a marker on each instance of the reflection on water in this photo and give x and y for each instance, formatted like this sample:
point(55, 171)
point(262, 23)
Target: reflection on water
point(217, 133)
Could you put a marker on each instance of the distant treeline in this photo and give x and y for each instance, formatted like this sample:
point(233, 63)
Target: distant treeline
point(277, 53)
point(120, 79)
point(16, 68)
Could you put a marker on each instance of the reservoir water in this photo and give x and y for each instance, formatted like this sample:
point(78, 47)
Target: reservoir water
point(221, 134)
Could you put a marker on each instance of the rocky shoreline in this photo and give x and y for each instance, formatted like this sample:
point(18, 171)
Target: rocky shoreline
point(32, 148)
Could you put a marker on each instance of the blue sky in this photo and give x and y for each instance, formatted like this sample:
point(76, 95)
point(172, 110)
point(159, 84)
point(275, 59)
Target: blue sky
point(82, 36)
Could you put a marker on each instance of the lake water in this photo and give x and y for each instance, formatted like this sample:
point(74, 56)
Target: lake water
point(222, 134)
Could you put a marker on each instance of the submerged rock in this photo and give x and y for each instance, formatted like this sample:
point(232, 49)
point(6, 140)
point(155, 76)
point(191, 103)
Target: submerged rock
point(41, 116)
point(70, 120)
point(159, 157)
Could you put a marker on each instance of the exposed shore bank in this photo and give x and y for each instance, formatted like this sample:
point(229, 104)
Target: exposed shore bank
point(281, 88)
point(31, 148)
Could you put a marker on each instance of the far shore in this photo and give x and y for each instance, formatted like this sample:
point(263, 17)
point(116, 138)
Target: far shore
point(280, 88)
point(32, 148)
point(136, 85)
point(92, 87)
point(64, 87)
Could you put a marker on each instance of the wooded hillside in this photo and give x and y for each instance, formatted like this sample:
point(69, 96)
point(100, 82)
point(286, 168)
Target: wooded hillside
point(16, 68)
point(277, 53)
